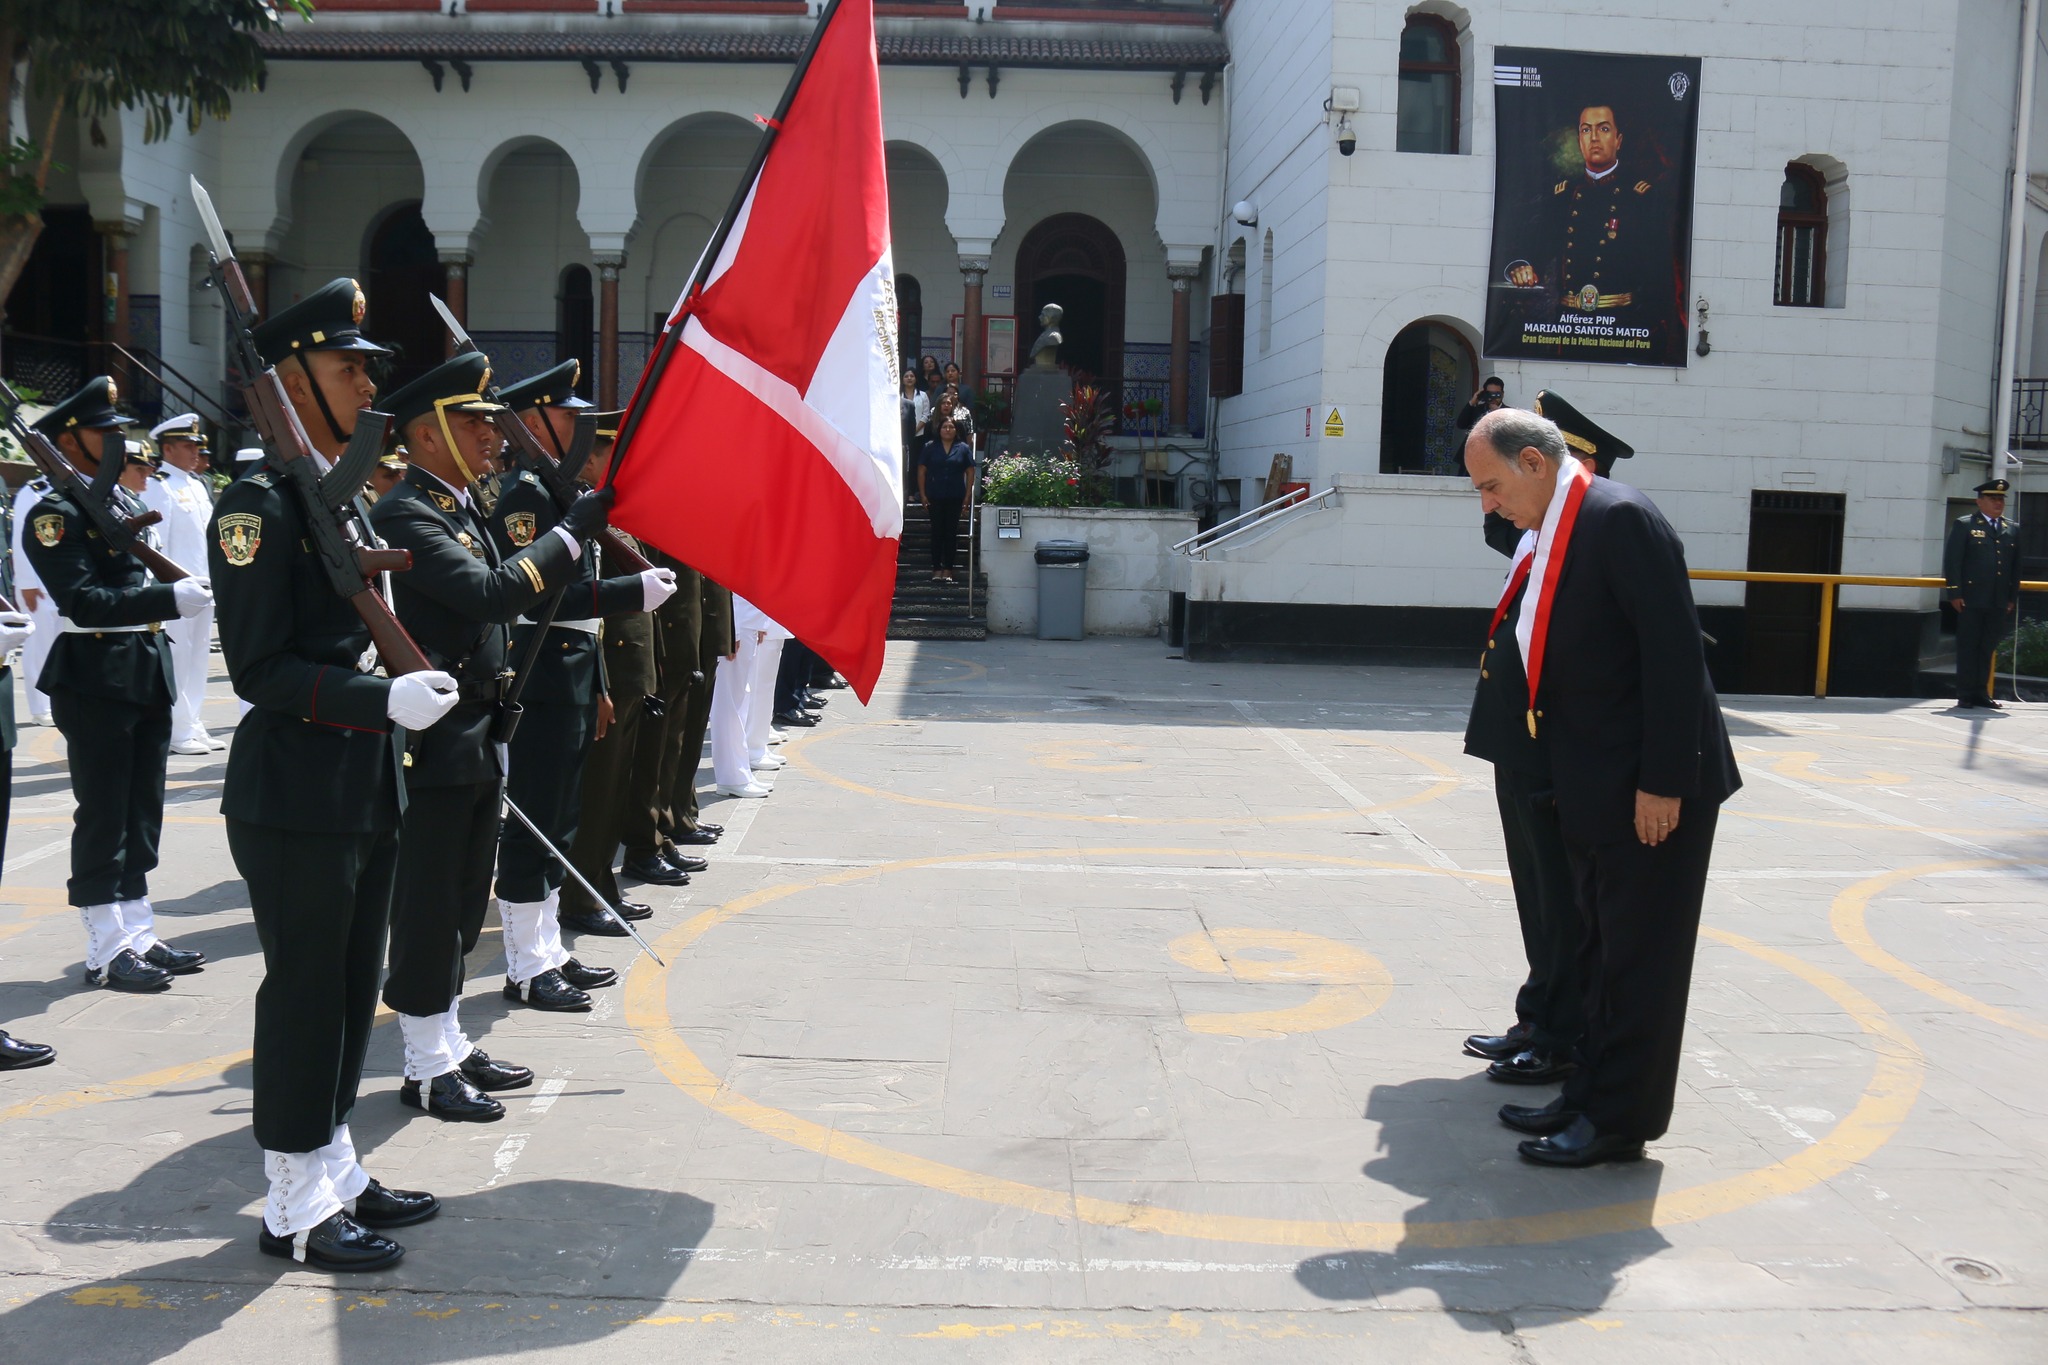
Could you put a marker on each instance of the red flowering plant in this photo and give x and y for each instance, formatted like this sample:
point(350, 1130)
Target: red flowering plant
point(1089, 419)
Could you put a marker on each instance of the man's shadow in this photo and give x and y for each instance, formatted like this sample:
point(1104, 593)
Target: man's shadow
point(562, 1240)
point(1437, 1139)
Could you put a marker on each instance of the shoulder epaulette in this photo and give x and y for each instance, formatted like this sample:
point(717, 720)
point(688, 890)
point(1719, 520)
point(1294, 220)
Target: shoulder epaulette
point(1642, 187)
point(1562, 186)
point(40, 485)
point(261, 478)
point(528, 476)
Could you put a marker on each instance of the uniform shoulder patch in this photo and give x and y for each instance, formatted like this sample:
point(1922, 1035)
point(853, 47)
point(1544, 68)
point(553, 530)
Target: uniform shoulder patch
point(528, 476)
point(49, 528)
point(444, 501)
point(520, 528)
point(241, 533)
point(261, 478)
point(1642, 187)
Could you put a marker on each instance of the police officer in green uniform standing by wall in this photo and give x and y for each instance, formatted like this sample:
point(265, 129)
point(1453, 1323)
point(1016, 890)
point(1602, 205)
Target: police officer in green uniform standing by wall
point(1980, 566)
point(561, 697)
point(312, 801)
point(109, 682)
point(455, 601)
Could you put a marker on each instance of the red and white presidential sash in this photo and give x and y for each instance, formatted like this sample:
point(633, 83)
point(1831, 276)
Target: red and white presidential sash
point(1544, 567)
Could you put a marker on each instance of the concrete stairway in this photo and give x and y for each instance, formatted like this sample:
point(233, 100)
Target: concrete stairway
point(925, 610)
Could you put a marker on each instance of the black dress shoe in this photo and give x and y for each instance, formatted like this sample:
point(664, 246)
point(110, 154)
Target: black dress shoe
point(588, 978)
point(1553, 1117)
point(377, 1207)
point(1579, 1145)
point(453, 1098)
point(1494, 1046)
point(799, 718)
point(337, 1242)
point(483, 1073)
point(594, 922)
point(1532, 1066)
point(706, 827)
point(682, 862)
point(833, 683)
point(651, 867)
point(698, 836)
point(127, 972)
point(19, 1055)
point(1991, 704)
point(549, 992)
point(811, 703)
point(176, 961)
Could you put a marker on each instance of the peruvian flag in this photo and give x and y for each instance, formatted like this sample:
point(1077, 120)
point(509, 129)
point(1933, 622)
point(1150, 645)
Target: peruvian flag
point(763, 445)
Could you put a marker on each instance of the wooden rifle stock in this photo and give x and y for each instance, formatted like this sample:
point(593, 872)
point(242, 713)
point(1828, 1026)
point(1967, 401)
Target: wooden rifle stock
point(382, 561)
point(122, 532)
point(396, 648)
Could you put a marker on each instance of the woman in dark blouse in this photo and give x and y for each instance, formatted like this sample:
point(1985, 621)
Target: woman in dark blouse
point(942, 486)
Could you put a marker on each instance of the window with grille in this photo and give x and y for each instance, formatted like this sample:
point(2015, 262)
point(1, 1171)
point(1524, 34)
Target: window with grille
point(1802, 238)
point(1427, 117)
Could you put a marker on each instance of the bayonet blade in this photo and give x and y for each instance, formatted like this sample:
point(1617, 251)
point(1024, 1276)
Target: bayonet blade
point(455, 329)
point(216, 235)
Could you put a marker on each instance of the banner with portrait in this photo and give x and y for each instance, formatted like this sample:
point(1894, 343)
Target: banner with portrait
point(1592, 206)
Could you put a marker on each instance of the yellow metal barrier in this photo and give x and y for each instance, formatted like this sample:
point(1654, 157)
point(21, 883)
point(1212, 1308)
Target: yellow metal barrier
point(1829, 582)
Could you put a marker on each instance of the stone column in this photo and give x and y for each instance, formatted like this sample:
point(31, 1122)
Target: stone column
point(973, 269)
point(114, 293)
point(1183, 276)
point(455, 291)
point(608, 263)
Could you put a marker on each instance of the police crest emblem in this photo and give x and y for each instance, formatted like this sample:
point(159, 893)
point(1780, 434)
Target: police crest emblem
point(520, 528)
point(444, 501)
point(240, 534)
point(49, 529)
point(1589, 299)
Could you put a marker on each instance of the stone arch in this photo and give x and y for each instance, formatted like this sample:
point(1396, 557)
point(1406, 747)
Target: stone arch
point(1135, 137)
point(531, 189)
point(686, 177)
point(1430, 368)
point(293, 150)
point(922, 244)
point(1834, 176)
point(1078, 262)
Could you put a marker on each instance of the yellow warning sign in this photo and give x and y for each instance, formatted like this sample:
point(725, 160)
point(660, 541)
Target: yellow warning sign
point(1333, 425)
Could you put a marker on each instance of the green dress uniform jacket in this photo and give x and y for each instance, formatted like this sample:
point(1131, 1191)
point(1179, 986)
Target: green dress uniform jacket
point(96, 586)
point(565, 669)
point(1981, 562)
point(315, 752)
point(455, 601)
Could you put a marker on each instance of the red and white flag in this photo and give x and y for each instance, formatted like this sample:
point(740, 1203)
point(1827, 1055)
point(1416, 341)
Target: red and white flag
point(765, 452)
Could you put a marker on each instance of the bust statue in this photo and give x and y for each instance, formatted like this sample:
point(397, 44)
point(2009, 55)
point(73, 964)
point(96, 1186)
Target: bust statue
point(1045, 350)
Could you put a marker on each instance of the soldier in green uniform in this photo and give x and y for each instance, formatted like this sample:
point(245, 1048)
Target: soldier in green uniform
point(662, 814)
point(1605, 238)
point(16, 1054)
point(629, 680)
point(1980, 566)
point(561, 698)
point(109, 682)
point(456, 601)
point(312, 801)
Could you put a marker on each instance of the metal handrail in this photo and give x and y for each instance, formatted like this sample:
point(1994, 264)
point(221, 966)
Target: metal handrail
point(1828, 583)
point(1263, 518)
point(1293, 495)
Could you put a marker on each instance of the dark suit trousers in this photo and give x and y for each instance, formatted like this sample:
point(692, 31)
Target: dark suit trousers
point(1546, 901)
point(792, 675)
point(1977, 637)
point(607, 771)
point(1642, 915)
point(445, 851)
point(117, 752)
point(546, 781)
point(322, 903)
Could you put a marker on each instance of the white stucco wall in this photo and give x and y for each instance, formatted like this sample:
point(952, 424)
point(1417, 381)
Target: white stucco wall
point(1130, 566)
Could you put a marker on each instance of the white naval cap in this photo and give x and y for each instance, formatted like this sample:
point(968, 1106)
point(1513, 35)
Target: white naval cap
point(248, 454)
point(185, 424)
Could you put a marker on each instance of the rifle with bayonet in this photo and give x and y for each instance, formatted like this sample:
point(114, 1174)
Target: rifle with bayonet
point(558, 477)
point(336, 522)
point(94, 498)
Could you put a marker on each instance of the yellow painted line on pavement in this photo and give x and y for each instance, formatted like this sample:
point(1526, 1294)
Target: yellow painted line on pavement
point(1849, 917)
point(1354, 982)
point(212, 1068)
point(1895, 1082)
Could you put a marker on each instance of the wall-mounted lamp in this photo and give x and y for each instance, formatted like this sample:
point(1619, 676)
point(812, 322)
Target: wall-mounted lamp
point(1705, 347)
point(1245, 212)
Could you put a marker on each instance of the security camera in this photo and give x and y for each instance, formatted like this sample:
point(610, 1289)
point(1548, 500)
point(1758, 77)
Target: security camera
point(1347, 140)
point(1245, 212)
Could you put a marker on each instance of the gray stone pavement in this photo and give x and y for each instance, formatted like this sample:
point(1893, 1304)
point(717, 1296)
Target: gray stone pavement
point(1074, 1002)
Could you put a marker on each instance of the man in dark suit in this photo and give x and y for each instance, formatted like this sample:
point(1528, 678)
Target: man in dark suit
point(1980, 566)
point(1549, 1016)
point(109, 681)
point(312, 802)
point(455, 602)
point(1640, 764)
point(560, 699)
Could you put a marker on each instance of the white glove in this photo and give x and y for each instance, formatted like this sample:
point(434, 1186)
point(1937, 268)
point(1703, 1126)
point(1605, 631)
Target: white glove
point(656, 587)
point(417, 700)
point(15, 628)
point(194, 596)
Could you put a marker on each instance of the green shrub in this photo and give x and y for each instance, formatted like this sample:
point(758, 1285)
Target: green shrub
point(1032, 481)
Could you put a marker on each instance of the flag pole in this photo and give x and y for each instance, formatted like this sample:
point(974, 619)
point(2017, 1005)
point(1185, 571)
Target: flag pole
point(709, 260)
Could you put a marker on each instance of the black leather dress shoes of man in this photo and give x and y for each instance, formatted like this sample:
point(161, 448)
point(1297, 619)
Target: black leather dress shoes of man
point(127, 972)
point(176, 961)
point(453, 1098)
point(706, 827)
point(1553, 1117)
point(811, 703)
point(652, 867)
point(483, 1073)
point(594, 922)
point(683, 862)
point(1494, 1046)
point(588, 978)
point(377, 1207)
point(17, 1054)
point(699, 836)
point(337, 1242)
point(1579, 1144)
point(799, 718)
point(1532, 1066)
point(549, 991)
point(635, 911)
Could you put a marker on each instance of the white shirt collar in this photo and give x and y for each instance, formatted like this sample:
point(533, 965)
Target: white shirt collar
point(1602, 175)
